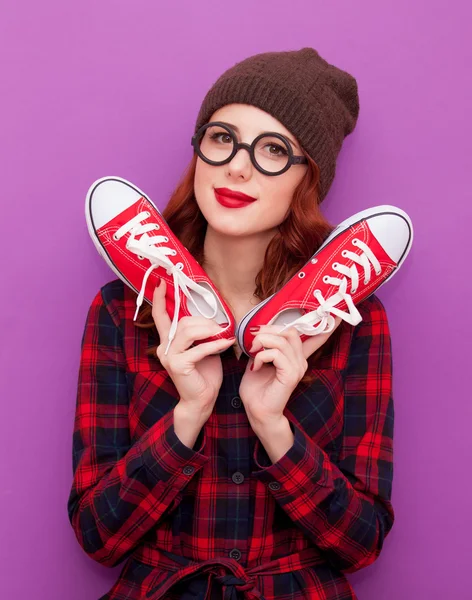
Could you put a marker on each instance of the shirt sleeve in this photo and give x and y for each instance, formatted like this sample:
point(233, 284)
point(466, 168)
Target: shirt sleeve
point(345, 508)
point(120, 490)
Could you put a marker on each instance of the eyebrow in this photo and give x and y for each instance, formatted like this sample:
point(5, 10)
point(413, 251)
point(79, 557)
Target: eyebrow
point(237, 131)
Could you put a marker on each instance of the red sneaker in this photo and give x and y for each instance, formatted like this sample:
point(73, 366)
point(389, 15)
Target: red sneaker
point(123, 223)
point(360, 255)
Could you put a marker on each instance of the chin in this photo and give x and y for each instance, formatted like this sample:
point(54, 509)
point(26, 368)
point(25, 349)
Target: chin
point(229, 229)
point(230, 226)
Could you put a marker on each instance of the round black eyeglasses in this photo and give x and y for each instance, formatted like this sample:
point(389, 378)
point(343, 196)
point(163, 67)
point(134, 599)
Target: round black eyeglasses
point(271, 153)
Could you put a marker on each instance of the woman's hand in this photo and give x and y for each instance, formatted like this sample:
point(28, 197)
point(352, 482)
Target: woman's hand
point(197, 372)
point(266, 388)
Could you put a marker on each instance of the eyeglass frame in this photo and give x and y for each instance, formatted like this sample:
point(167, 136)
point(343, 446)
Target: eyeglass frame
point(292, 158)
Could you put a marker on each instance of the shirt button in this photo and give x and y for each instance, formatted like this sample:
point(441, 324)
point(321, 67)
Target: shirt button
point(236, 402)
point(235, 553)
point(237, 477)
point(274, 485)
point(188, 470)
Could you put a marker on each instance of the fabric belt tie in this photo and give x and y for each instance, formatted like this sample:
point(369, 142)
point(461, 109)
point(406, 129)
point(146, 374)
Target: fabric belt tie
point(238, 584)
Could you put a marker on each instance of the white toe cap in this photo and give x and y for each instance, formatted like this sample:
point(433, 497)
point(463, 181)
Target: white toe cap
point(394, 231)
point(108, 197)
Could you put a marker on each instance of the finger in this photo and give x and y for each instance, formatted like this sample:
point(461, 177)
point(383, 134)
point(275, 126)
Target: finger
point(207, 327)
point(159, 311)
point(294, 339)
point(268, 341)
point(197, 353)
point(189, 331)
point(280, 361)
point(314, 342)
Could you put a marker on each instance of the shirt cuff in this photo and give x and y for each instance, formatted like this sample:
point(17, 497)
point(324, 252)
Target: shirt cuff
point(298, 470)
point(166, 457)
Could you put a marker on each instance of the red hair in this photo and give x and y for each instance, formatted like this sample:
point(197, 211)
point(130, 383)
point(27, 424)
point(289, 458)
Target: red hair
point(298, 237)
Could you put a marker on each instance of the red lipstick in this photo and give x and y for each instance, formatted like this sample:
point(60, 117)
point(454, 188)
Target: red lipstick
point(232, 199)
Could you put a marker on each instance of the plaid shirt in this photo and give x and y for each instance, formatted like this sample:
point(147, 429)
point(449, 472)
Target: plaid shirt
point(220, 518)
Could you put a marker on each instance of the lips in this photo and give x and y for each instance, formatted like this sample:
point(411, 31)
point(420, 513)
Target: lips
point(227, 193)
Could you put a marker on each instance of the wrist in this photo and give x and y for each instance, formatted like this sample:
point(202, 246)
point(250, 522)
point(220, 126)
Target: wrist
point(186, 426)
point(195, 416)
point(277, 439)
point(267, 426)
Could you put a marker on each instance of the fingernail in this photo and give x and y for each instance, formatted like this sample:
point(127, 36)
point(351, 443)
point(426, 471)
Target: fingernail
point(252, 367)
point(251, 329)
point(224, 324)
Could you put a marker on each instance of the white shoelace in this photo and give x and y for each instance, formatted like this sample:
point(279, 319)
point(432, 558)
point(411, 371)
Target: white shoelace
point(145, 247)
point(321, 320)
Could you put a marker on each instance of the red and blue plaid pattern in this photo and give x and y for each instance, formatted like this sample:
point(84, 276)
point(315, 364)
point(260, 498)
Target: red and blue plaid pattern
point(220, 520)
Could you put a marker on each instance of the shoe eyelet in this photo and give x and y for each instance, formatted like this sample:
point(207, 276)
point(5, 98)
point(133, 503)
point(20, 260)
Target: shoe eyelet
point(344, 253)
point(325, 279)
point(166, 239)
point(148, 214)
point(335, 266)
point(301, 274)
point(378, 272)
point(353, 291)
point(156, 226)
point(180, 266)
point(316, 292)
point(115, 237)
point(174, 252)
point(140, 257)
point(365, 282)
point(355, 241)
point(314, 261)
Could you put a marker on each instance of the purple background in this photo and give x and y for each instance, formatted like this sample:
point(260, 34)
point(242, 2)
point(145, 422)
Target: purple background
point(113, 88)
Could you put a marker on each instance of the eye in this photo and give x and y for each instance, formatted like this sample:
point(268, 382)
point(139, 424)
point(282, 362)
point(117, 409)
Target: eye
point(278, 150)
point(217, 136)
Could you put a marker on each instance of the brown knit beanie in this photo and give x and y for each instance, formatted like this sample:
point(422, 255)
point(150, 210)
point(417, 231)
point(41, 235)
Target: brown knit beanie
point(316, 101)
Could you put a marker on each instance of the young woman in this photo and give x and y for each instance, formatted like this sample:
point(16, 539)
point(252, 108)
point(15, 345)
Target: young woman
point(212, 479)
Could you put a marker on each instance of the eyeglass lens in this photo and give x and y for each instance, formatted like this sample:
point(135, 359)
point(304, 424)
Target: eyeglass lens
point(270, 152)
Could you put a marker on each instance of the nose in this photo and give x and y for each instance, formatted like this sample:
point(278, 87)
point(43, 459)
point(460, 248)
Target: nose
point(240, 165)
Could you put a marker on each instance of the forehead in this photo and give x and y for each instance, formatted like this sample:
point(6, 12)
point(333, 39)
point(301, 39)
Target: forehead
point(251, 120)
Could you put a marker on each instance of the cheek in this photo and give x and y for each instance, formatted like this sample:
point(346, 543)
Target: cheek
point(279, 194)
point(199, 176)
point(201, 180)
